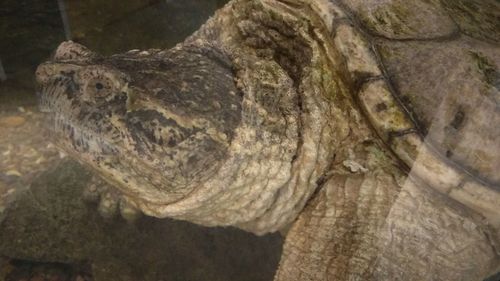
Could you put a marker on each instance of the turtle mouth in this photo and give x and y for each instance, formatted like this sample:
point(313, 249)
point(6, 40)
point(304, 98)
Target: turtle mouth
point(109, 158)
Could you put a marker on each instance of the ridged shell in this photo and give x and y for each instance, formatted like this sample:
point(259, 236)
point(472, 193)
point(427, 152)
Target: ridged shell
point(431, 92)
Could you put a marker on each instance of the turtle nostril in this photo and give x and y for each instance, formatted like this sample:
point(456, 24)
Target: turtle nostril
point(72, 87)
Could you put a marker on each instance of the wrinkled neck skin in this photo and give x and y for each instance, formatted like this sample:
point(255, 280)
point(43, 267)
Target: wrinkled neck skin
point(299, 119)
point(295, 111)
point(256, 100)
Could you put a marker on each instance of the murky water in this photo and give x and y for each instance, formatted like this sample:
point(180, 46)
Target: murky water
point(48, 229)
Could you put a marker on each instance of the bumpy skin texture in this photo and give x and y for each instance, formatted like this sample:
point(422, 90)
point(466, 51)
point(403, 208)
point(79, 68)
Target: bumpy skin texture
point(312, 112)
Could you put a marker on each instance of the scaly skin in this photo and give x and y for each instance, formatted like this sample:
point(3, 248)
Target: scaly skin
point(280, 112)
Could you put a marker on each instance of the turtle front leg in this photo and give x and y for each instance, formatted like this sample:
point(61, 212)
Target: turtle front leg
point(374, 227)
point(110, 200)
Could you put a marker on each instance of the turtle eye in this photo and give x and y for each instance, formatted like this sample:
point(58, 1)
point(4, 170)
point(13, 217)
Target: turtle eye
point(100, 84)
point(99, 88)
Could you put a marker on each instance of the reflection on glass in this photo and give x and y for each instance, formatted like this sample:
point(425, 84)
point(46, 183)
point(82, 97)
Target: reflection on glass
point(369, 139)
point(64, 18)
point(3, 76)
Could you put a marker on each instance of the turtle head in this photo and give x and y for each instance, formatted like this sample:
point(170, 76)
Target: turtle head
point(153, 123)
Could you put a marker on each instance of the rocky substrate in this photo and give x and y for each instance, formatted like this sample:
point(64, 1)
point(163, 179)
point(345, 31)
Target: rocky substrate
point(50, 228)
point(19, 270)
point(25, 150)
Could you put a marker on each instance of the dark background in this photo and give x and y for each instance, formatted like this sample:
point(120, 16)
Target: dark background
point(30, 30)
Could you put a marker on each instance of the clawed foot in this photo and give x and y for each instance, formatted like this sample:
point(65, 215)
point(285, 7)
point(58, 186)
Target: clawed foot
point(110, 200)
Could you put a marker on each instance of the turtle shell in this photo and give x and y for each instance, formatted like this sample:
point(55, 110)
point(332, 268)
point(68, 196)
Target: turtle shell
point(431, 91)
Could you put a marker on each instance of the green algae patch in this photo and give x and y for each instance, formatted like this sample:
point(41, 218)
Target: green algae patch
point(477, 18)
point(487, 68)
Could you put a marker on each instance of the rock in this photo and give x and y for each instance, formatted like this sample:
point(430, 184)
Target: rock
point(52, 223)
point(12, 121)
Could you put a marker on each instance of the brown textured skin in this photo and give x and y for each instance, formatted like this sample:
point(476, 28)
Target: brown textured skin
point(383, 225)
point(285, 112)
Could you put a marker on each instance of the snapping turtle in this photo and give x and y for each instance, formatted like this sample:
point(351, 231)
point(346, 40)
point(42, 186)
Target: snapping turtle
point(366, 130)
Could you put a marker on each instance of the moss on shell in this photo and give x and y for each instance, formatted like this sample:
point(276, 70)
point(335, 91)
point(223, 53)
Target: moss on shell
point(487, 68)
